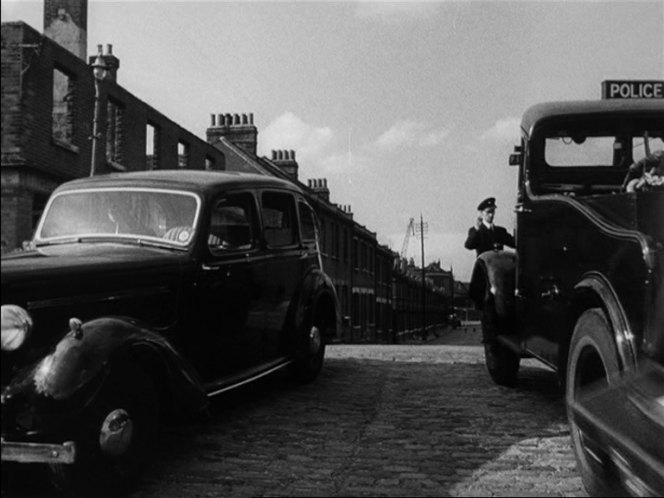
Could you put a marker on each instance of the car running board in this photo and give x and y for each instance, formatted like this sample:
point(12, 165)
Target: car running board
point(246, 377)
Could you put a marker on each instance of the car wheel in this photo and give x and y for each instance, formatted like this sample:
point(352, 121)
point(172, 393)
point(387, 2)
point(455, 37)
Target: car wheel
point(310, 354)
point(501, 362)
point(592, 360)
point(115, 436)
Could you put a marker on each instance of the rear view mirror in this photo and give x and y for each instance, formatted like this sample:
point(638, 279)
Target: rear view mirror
point(516, 158)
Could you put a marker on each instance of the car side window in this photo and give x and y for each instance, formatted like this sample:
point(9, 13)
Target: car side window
point(232, 224)
point(279, 220)
point(307, 221)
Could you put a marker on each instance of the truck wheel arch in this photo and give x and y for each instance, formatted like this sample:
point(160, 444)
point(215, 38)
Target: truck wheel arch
point(595, 290)
point(494, 272)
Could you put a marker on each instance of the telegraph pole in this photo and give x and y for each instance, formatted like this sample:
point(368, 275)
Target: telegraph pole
point(423, 228)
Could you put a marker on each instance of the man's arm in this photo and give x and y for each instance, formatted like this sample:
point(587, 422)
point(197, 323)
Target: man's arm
point(506, 238)
point(472, 240)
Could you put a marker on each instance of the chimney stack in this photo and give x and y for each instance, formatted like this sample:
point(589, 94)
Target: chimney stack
point(237, 128)
point(319, 187)
point(285, 160)
point(66, 23)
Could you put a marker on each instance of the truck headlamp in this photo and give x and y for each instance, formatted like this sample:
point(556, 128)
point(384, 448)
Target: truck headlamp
point(16, 326)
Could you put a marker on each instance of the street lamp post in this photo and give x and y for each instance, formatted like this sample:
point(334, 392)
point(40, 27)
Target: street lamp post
point(100, 73)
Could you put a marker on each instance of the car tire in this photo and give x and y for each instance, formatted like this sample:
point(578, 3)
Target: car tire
point(310, 353)
point(592, 359)
point(115, 437)
point(501, 362)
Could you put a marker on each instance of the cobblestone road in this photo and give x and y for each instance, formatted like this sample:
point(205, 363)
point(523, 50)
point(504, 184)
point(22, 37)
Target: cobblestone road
point(406, 420)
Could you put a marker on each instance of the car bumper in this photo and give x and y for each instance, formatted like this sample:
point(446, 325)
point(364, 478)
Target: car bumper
point(64, 453)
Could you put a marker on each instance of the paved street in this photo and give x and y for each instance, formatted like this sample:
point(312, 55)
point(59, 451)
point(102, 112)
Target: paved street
point(413, 420)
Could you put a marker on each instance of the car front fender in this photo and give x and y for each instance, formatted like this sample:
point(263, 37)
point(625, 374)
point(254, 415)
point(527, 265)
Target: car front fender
point(494, 273)
point(72, 372)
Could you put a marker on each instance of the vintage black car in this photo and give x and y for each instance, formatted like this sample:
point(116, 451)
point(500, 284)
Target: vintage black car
point(584, 292)
point(145, 294)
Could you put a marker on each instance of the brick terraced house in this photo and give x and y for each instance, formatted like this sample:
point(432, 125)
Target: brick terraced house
point(48, 110)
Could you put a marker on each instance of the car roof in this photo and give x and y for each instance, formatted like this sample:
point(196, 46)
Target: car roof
point(538, 112)
point(192, 180)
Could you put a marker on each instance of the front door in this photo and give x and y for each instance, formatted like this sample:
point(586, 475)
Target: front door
point(229, 294)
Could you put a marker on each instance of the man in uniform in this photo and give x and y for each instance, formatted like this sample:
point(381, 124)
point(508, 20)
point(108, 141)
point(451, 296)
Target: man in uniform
point(485, 236)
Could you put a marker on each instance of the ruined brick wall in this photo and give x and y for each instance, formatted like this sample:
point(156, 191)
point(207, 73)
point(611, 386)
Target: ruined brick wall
point(35, 159)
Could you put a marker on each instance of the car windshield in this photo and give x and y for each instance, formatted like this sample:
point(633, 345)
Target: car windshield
point(121, 213)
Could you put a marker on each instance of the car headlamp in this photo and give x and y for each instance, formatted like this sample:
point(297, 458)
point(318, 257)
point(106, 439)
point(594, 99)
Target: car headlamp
point(16, 326)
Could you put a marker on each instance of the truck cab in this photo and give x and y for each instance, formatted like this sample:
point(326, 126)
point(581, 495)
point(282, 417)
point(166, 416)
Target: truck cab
point(584, 292)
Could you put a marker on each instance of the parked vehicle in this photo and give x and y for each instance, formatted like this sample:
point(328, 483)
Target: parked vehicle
point(584, 292)
point(453, 320)
point(145, 294)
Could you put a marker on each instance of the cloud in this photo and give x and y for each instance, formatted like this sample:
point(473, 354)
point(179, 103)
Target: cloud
point(409, 133)
point(288, 131)
point(505, 130)
point(393, 12)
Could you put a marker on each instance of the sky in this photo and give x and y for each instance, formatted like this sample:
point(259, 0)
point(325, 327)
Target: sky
point(408, 109)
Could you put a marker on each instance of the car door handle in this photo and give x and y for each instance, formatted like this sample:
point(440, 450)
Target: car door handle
point(552, 293)
point(520, 208)
point(217, 269)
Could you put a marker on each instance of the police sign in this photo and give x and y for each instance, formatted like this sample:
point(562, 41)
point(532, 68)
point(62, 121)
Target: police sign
point(632, 89)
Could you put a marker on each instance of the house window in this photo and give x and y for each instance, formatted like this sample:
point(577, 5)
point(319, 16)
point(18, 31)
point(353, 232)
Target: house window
point(183, 155)
point(152, 136)
point(337, 245)
point(345, 245)
point(64, 93)
point(355, 256)
point(114, 132)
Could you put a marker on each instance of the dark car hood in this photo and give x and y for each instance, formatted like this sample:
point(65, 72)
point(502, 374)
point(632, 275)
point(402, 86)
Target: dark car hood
point(71, 260)
point(89, 280)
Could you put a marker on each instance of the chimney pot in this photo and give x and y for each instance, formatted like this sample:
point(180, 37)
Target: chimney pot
point(292, 154)
point(100, 50)
point(244, 119)
point(109, 49)
point(229, 120)
point(236, 119)
point(213, 120)
point(251, 118)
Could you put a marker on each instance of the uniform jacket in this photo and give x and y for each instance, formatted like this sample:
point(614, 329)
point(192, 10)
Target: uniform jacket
point(484, 239)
